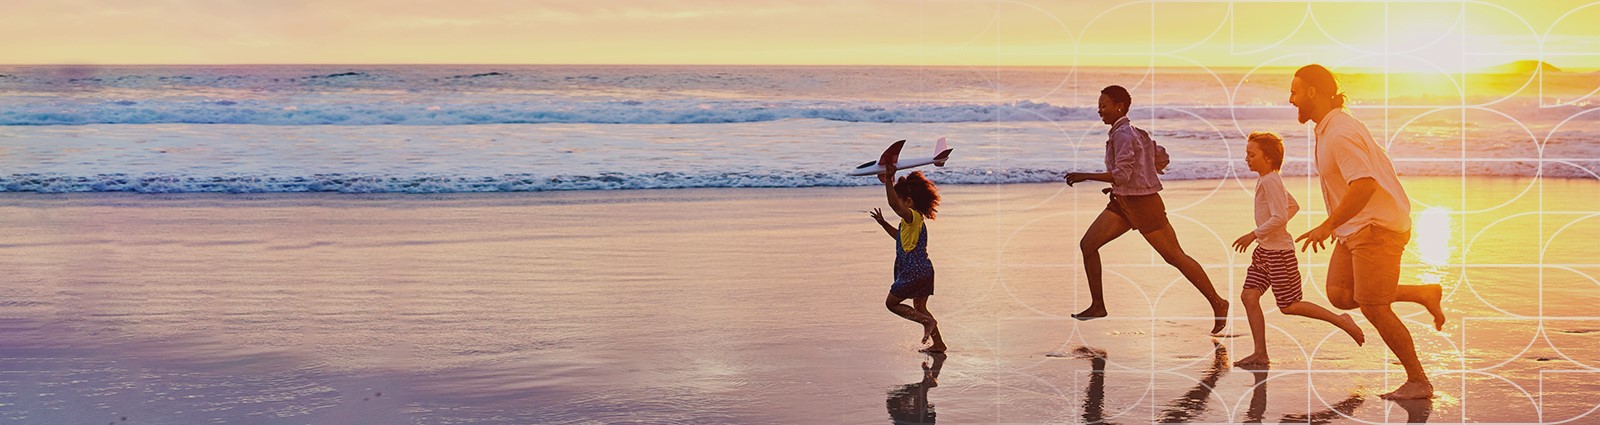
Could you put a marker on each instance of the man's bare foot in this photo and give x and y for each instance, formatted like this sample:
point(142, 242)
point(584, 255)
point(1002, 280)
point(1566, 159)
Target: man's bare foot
point(1431, 301)
point(1255, 359)
point(928, 329)
point(935, 348)
point(1093, 312)
point(1219, 310)
point(1411, 390)
point(1348, 324)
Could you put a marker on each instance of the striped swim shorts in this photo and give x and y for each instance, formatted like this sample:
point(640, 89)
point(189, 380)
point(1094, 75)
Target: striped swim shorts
point(1277, 269)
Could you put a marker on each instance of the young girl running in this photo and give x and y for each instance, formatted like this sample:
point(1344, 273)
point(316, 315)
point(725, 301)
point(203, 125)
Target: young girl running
point(913, 198)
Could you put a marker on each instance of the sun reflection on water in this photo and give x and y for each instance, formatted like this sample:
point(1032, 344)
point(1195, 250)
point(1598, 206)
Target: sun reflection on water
point(1433, 232)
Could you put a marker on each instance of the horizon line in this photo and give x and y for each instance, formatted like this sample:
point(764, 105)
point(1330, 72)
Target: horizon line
point(1364, 68)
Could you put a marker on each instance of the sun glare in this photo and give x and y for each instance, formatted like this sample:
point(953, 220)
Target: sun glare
point(1433, 232)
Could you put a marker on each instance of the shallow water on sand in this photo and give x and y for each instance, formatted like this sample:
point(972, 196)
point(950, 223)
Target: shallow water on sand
point(750, 306)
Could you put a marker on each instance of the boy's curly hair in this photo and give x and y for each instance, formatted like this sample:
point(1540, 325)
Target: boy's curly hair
point(924, 194)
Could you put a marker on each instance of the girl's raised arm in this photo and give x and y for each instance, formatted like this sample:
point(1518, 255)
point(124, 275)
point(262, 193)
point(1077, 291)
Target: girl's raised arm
point(887, 177)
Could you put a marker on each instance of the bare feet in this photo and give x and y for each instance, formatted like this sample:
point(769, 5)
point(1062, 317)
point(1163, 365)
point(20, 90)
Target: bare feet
point(1348, 324)
point(1093, 312)
point(1219, 310)
point(928, 329)
point(1411, 390)
point(1255, 359)
point(1431, 301)
point(935, 348)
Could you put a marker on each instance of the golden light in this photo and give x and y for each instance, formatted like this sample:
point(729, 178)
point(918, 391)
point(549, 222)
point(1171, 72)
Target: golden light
point(1394, 37)
point(1434, 233)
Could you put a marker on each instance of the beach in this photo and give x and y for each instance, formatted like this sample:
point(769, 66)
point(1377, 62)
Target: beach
point(733, 305)
point(370, 212)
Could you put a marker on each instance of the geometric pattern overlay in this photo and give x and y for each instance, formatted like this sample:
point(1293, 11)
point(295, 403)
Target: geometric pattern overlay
point(1517, 265)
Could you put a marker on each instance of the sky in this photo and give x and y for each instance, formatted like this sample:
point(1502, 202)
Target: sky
point(1449, 36)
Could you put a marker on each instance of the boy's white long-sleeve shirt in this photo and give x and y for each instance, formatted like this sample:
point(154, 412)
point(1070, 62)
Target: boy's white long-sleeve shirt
point(1274, 208)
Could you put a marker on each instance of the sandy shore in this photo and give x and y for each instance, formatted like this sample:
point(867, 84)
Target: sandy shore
point(749, 306)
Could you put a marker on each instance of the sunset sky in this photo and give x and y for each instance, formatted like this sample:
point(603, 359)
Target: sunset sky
point(1417, 35)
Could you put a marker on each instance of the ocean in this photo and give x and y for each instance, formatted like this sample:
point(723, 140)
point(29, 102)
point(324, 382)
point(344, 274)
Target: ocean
point(493, 128)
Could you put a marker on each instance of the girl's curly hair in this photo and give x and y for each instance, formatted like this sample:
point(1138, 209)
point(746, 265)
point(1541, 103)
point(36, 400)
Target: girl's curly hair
point(924, 194)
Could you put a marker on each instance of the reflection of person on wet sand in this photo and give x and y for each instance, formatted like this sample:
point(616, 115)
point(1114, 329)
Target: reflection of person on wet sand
point(1132, 162)
point(1183, 409)
point(1193, 403)
point(1417, 411)
point(1341, 410)
point(1258, 406)
point(908, 404)
point(1258, 399)
point(1094, 398)
point(1370, 216)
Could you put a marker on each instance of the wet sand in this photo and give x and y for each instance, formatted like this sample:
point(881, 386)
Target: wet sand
point(752, 306)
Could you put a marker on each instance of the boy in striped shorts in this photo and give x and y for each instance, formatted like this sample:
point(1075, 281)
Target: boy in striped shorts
point(1273, 263)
